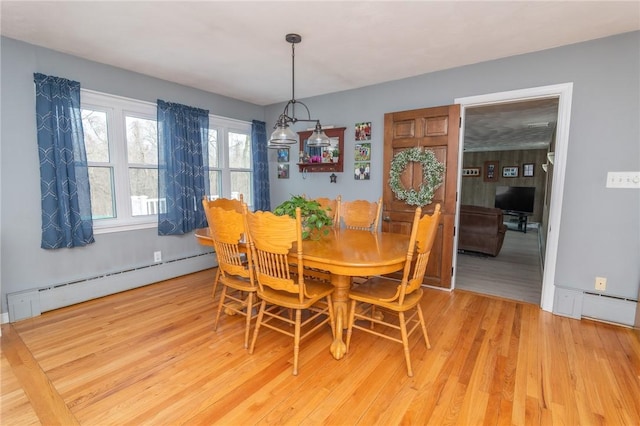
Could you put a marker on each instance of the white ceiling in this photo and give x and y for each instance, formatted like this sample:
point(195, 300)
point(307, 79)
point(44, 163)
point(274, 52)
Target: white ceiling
point(238, 48)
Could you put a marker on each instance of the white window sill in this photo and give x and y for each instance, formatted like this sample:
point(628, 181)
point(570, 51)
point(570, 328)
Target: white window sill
point(123, 227)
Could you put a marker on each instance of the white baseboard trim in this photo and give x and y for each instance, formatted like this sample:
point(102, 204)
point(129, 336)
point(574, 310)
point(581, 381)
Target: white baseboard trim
point(31, 303)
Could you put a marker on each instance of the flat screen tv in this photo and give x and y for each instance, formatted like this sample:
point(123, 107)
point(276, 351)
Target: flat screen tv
point(517, 199)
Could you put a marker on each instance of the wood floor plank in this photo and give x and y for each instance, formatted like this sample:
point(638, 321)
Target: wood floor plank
point(45, 400)
point(150, 356)
point(17, 409)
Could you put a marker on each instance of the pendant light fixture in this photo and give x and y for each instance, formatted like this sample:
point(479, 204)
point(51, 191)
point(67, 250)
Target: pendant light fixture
point(283, 135)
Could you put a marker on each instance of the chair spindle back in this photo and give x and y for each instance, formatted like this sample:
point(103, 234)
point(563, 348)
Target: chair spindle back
point(227, 229)
point(423, 234)
point(271, 238)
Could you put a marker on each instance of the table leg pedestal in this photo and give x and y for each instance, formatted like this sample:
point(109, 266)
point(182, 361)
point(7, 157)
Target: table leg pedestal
point(340, 308)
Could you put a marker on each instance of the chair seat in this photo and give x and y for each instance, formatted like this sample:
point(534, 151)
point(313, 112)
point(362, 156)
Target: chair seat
point(378, 289)
point(317, 290)
point(238, 283)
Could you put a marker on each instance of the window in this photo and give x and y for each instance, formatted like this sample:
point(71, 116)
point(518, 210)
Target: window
point(142, 164)
point(94, 123)
point(230, 163)
point(121, 141)
point(122, 152)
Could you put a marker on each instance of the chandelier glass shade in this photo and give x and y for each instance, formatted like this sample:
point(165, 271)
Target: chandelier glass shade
point(318, 137)
point(282, 135)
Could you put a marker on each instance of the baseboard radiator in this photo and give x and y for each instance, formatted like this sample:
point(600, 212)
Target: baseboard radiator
point(30, 303)
point(615, 309)
point(579, 304)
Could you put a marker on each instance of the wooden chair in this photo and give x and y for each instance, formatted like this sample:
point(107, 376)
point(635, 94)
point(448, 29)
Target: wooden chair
point(235, 266)
point(333, 205)
point(398, 299)
point(282, 290)
point(224, 203)
point(227, 204)
point(361, 214)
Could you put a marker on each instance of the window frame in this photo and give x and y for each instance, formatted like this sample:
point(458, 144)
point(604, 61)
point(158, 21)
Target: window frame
point(117, 108)
point(225, 126)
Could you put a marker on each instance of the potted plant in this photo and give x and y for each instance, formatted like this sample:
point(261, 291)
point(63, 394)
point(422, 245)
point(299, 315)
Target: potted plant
point(335, 154)
point(315, 220)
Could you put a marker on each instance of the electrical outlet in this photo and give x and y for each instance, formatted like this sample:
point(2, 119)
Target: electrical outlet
point(601, 283)
point(157, 256)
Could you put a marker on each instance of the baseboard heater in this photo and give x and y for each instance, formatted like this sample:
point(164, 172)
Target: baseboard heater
point(30, 303)
point(577, 304)
point(615, 309)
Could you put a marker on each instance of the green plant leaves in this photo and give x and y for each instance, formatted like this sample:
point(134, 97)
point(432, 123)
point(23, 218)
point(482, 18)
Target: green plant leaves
point(315, 220)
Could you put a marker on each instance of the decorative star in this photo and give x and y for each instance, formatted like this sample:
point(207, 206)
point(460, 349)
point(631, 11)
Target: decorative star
point(333, 178)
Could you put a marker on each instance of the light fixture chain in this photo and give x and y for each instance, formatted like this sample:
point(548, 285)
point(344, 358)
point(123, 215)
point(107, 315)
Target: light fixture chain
point(293, 78)
point(293, 71)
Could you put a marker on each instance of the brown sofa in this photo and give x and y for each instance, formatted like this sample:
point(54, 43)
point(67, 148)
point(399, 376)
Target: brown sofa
point(481, 229)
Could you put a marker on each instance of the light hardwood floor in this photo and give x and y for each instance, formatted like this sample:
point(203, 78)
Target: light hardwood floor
point(516, 273)
point(150, 356)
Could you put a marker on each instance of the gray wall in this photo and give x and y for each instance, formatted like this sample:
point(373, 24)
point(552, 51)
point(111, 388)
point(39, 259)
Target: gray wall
point(600, 227)
point(24, 265)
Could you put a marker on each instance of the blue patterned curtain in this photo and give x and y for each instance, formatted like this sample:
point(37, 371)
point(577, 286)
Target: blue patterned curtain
point(64, 175)
point(183, 134)
point(261, 197)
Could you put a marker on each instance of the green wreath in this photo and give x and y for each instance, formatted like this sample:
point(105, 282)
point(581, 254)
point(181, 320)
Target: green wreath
point(432, 176)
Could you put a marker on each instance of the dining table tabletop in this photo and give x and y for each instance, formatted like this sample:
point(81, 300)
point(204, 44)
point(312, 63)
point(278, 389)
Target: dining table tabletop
point(204, 237)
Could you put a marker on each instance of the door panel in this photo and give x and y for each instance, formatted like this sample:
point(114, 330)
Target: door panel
point(436, 129)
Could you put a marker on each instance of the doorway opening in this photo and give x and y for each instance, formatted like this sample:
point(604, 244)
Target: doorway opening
point(563, 94)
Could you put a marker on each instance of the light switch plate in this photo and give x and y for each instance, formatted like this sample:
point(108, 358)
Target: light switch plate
point(623, 180)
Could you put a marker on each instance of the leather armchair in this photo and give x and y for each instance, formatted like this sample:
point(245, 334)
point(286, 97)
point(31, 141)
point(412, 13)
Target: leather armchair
point(481, 229)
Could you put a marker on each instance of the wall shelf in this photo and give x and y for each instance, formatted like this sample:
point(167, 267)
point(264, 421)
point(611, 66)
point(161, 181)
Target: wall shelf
point(320, 167)
point(337, 142)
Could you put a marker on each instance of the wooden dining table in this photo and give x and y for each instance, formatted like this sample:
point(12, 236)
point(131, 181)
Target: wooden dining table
point(347, 253)
point(204, 237)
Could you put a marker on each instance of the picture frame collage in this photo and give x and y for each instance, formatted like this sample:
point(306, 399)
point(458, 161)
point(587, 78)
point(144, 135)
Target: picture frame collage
point(362, 151)
point(283, 157)
point(491, 171)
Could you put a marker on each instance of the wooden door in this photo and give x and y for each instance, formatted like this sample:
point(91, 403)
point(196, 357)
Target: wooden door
point(436, 129)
